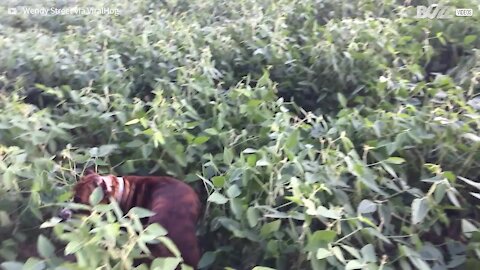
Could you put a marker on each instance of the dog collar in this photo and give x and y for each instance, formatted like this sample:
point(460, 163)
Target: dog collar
point(121, 187)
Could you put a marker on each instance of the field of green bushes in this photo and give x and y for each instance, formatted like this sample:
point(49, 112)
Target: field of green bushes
point(321, 134)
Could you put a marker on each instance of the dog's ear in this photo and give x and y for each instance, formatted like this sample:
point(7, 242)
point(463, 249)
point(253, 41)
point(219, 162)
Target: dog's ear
point(88, 171)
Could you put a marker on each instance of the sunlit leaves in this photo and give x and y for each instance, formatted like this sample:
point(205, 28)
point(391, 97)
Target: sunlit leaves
point(217, 198)
point(366, 206)
point(140, 212)
point(45, 247)
point(312, 126)
point(420, 209)
point(96, 196)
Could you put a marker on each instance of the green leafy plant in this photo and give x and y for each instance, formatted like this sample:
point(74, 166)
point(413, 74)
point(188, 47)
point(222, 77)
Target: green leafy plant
point(321, 134)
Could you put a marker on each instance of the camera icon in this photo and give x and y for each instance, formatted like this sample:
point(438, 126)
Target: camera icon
point(12, 11)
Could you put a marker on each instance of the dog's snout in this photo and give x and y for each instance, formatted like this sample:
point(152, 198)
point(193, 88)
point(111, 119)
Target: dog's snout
point(65, 214)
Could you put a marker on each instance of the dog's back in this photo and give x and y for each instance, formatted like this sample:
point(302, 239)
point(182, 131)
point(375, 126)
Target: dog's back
point(175, 204)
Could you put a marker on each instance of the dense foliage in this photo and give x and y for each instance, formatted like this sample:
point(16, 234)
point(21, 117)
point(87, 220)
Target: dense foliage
point(324, 134)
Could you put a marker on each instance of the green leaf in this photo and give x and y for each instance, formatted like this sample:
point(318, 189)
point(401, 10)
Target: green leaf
point(342, 100)
point(232, 225)
point(324, 235)
point(419, 210)
point(415, 258)
point(207, 259)
point(142, 266)
point(158, 138)
point(264, 80)
point(227, 156)
point(468, 228)
point(218, 181)
point(251, 160)
point(395, 160)
point(217, 198)
point(131, 122)
point(262, 163)
point(262, 268)
point(12, 265)
point(469, 39)
point(96, 196)
point(347, 143)
point(45, 248)
point(155, 230)
point(470, 182)
point(165, 263)
point(47, 224)
point(323, 253)
point(201, 140)
point(64, 197)
point(366, 206)
point(233, 191)
point(76, 206)
point(67, 125)
point(252, 216)
point(211, 131)
point(319, 239)
point(149, 132)
point(329, 213)
point(292, 140)
point(249, 151)
point(116, 209)
point(134, 144)
point(474, 138)
point(140, 212)
point(186, 267)
point(368, 253)
point(354, 264)
point(377, 234)
point(5, 219)
point(102, 208)
point(389, 169)
point(269, 228)
point(476, 195)
point(316, 264)
point(449, 175)
point(338, 254)
point(366, 176)
point(254, 102)
point(353, 251)
point(9, 179)
point(236, 206)
point(34, 264)
point(105, 150)
point(451, 196)
point(72, 247)
point(367, 221)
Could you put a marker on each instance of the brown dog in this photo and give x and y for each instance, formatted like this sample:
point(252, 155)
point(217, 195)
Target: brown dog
point(175, 204)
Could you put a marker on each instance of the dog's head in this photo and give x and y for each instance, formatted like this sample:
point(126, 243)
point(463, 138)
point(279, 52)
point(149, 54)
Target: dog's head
point(85, 187)
point(87, 184)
